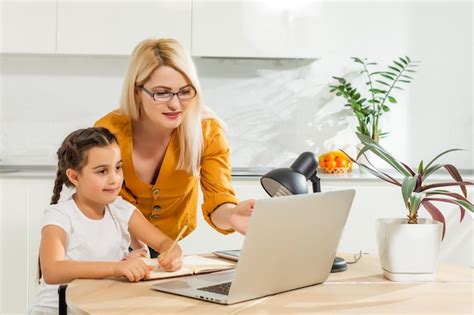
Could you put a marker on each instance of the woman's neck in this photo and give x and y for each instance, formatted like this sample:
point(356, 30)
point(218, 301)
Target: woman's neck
point(89, 208)
point(144, 128)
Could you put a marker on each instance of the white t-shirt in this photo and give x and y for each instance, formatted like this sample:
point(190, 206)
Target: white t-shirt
point(106, 239)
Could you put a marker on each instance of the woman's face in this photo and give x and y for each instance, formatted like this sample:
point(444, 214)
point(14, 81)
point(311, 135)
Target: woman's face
point(167, 114)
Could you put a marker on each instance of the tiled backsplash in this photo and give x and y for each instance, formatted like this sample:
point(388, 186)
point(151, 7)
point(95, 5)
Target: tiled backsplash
point(45, 97)
point(274, 109)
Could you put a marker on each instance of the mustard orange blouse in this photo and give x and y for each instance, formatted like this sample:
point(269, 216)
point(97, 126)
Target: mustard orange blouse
point(171, 202)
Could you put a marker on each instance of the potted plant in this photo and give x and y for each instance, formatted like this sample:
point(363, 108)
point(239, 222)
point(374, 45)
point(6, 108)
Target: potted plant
point(408, 247)
point(380, 88)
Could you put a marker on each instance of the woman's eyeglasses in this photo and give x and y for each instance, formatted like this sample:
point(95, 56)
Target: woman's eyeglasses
point(162, 95)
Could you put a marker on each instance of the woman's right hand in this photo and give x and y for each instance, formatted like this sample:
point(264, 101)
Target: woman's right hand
point(133, 269)
point(239, 219)
point(173, 260)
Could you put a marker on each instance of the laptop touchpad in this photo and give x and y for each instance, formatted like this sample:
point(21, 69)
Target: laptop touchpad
point(179, 284)
point(223, 276)
point(199, 281)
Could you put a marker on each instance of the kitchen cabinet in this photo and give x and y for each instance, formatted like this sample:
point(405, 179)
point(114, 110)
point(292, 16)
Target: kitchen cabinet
point(23, 199)
point(298, 29)
point(116, 27)
point(209, 28)
point(39, 197)
point(22, 203)
point(28, 26)
point(256, 29)
point(14, 246)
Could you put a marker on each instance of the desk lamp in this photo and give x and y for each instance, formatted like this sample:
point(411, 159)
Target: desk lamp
point(292, 181)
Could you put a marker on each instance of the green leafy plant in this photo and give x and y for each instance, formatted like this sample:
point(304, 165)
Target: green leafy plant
point(415, 191)
point(381, 85)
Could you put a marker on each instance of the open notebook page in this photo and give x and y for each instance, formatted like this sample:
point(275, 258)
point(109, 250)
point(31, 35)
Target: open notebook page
point(191, 265)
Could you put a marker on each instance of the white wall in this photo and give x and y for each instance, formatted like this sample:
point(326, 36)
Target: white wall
point(274, 108)
point(442, 113)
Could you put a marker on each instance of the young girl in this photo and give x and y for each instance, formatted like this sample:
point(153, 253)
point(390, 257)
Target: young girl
point(88, 236)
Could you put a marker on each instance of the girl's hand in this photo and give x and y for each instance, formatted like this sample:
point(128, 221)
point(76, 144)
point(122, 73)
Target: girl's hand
point(239, 219)
point(136, 253)
point(173, 260)
point(133, 269)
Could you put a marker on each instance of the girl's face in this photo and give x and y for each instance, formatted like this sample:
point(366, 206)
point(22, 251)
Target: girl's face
point(168, 115)
point(100, 180)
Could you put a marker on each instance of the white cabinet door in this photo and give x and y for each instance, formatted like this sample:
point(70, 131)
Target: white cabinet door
point(299, 29)
point(1, 246)
point(28, 26)
point(22, 201)
point(14, 246)
point(116, 27)
point(39, 196)
point(256, 28)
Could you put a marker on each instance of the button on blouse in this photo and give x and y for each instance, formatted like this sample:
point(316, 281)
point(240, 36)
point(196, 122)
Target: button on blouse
point(176, 190)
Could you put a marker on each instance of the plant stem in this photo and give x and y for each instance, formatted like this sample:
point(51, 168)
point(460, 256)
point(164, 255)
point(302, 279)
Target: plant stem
point(375, 132)
point(413, 217)
point(373, 98)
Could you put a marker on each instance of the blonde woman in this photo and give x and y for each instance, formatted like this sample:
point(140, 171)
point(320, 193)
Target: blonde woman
point(170, 142)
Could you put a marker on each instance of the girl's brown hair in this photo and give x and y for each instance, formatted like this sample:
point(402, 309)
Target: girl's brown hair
point(73, 154)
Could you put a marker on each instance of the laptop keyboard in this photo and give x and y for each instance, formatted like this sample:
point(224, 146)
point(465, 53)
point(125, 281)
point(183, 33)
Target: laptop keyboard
point(222, 288)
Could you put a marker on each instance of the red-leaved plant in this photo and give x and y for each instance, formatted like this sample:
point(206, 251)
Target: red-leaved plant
point(414, 191)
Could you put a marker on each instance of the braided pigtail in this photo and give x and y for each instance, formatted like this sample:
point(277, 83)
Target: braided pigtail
point(58, 186)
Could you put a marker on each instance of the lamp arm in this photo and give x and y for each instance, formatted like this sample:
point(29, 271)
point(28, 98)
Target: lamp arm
point(316, 181)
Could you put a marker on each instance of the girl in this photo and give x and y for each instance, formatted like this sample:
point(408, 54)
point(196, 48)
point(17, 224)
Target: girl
point(89, 235)
point(171, 143)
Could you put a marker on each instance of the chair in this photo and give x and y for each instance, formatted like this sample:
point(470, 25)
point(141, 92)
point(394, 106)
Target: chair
point(62, 299)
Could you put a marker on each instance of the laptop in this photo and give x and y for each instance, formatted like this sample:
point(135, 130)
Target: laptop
point(291, 243)
point(232, 254)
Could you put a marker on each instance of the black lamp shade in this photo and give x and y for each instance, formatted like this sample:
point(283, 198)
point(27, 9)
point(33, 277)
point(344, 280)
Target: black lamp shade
point(283, 182)
point(305, 164)
point(293, 180)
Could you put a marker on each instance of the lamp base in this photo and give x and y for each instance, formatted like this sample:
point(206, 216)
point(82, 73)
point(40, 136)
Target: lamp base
point(338, 265)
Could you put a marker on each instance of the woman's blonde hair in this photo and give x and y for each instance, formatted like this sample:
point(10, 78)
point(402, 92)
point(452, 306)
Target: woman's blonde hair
point(146, 57)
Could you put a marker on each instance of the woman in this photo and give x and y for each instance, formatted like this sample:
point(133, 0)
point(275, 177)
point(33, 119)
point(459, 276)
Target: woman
point(170, 142)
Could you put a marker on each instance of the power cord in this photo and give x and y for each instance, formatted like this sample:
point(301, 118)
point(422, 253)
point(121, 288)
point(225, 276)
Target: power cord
point(357, 257)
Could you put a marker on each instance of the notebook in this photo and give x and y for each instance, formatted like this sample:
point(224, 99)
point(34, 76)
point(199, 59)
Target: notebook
point(192, 265)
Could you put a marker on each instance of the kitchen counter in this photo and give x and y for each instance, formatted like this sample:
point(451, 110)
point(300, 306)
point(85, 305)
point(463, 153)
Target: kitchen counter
point(240, 173)
point(19, 171)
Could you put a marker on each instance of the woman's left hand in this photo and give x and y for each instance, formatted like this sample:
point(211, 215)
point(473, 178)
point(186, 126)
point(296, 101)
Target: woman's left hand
point(239, 219)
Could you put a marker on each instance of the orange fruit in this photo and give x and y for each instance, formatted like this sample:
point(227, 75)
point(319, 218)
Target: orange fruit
point(330, 157)
point(331, 164)
point(333, 160)
point(341, 163)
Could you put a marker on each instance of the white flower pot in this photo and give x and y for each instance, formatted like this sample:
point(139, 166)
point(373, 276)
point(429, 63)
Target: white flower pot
point(408, 252)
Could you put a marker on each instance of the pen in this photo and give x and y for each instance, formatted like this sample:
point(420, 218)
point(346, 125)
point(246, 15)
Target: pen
point(175, 241)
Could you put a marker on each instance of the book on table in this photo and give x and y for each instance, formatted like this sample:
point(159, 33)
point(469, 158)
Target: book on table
point(192, 265)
